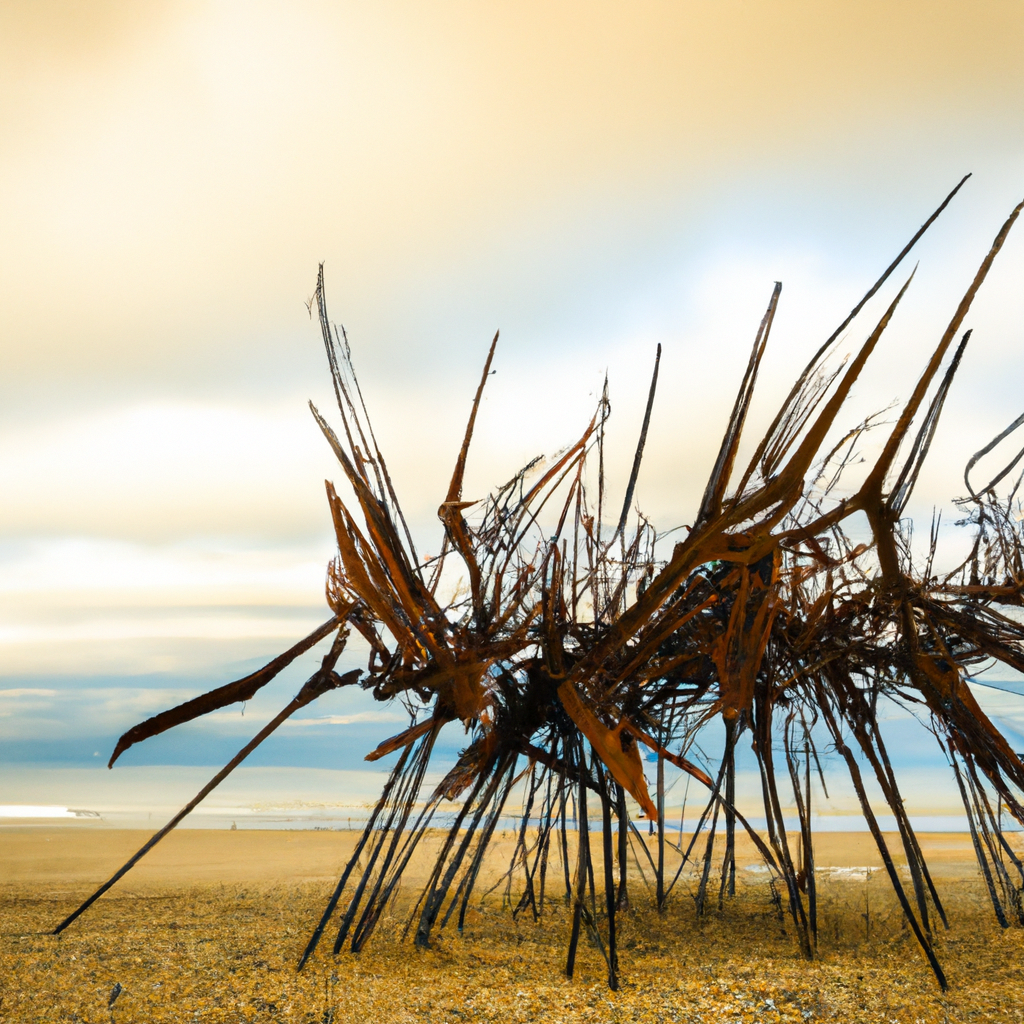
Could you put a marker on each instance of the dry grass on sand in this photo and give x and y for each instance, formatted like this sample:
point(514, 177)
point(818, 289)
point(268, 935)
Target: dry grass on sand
point(190, 939)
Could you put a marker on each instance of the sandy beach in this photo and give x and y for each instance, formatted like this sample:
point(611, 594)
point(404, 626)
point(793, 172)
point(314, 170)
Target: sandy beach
point(82, 854)
point(209, 927)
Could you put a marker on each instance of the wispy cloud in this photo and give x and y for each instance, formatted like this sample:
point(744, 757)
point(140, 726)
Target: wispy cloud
point(362, 716)
point(163, 482)
point(47, 714)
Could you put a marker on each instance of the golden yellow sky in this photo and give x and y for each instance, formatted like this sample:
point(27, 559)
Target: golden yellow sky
point(593, 178)
point(172, 172)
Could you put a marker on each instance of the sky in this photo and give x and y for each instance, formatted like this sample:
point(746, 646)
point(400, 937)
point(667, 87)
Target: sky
point(592, 179)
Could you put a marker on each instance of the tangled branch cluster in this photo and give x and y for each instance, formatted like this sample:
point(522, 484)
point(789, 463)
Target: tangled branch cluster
point(569, 652)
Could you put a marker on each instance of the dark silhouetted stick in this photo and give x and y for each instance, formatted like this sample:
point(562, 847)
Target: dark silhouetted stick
point(325, 679)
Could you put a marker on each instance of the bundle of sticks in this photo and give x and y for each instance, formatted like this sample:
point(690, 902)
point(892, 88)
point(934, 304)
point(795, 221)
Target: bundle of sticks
point(572, 651)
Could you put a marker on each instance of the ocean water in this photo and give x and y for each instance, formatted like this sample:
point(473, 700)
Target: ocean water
point(146, 797)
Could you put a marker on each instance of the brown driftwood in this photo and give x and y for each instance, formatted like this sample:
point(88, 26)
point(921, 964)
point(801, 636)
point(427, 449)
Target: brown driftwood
point(570, 649)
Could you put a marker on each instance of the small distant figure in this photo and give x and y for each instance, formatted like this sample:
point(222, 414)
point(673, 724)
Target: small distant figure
point(234, 827)
point(114, 993)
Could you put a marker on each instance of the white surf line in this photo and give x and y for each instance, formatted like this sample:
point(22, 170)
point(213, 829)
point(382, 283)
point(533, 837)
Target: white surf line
point(39, 811)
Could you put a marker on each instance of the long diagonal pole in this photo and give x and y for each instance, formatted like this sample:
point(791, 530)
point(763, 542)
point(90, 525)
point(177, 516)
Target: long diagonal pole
point(184, 812)
point(324, 679)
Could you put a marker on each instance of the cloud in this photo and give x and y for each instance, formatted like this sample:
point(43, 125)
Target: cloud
point(362, 716)
point(74, 711)
point(169, 191)
point(135, 470)
point(592, 178)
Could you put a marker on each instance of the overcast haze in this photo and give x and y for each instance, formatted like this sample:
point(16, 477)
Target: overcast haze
point(590, 178)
